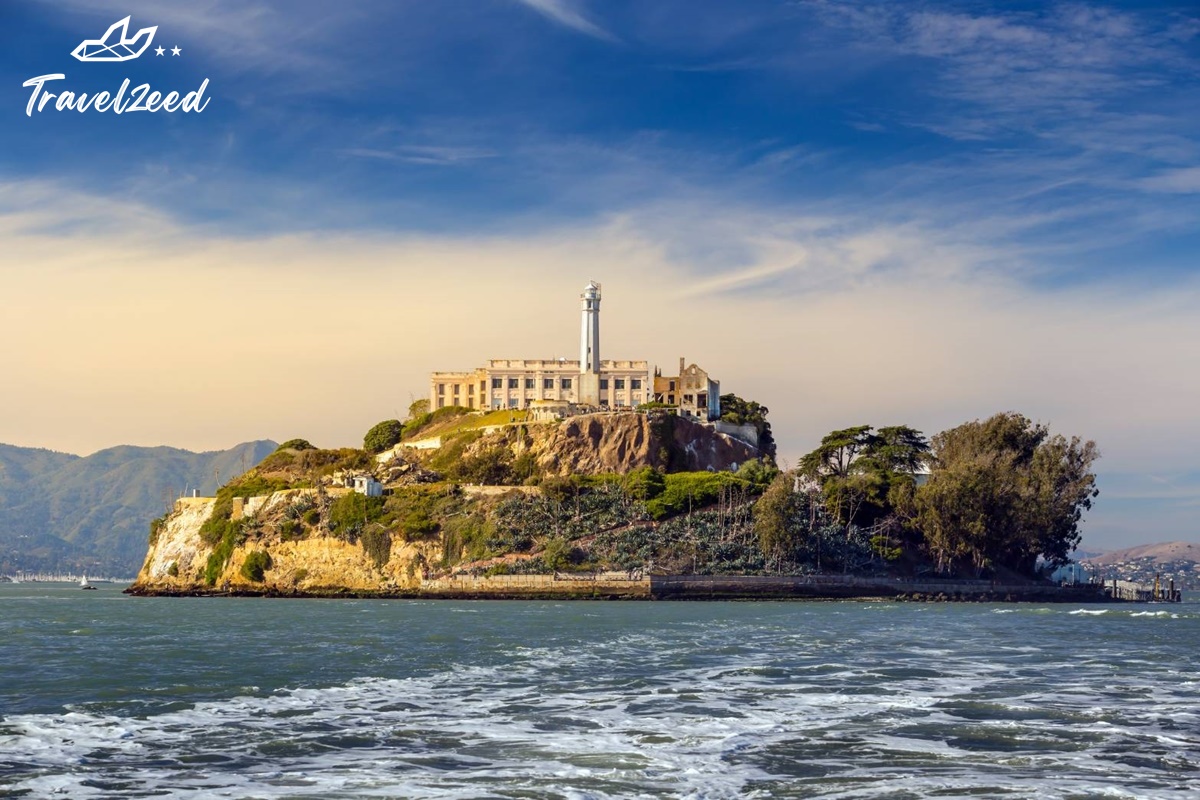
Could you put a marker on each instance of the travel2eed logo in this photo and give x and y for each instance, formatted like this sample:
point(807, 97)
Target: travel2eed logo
point(115, 45)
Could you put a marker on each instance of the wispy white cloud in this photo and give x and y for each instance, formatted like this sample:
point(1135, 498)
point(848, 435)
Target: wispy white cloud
point(423, 154)
point(1176, 181)
point(568, 13)
point(1069, 72)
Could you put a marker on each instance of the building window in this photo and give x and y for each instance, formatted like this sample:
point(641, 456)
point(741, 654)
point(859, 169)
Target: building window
point(547, 383)
point(671, 386)
point(620, 383)
point(482, 387)
point(441, 388)
point(529, 383)
point(514, 383)
point(441, 402)
point(604, 383)
point(497, 383)
point(566, 383)
point(512, 403)
point(670, 399)
point(456, 390)
point(471, 389)
point(635, 383)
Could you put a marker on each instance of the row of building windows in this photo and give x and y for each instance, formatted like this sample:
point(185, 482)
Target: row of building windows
point(547, 383)
point(517, 402)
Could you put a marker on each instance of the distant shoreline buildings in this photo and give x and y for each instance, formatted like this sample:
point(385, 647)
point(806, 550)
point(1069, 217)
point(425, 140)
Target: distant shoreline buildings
point(559, 386)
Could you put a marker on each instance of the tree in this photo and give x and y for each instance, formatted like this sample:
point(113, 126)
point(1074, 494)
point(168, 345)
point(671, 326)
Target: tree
point(418, 408)
point(737, 411)
point(1004, 492)
point(897, 449)
point(383, 436)
point(295, 444)
point(782, 518)
point(757, 474)
point(859, 471)
point(836, 454)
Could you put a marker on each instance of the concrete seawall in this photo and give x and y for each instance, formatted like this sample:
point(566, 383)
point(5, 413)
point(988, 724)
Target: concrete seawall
point(613, 586)
point(698, 587)
point(622, 586)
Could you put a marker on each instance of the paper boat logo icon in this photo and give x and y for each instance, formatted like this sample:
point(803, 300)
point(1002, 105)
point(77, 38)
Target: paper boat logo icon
point(116, 44)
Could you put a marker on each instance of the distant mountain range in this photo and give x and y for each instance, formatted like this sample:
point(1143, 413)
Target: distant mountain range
point(66, 513)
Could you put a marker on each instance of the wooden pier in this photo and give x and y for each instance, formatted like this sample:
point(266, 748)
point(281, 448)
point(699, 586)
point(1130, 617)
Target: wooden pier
point(1131, 592)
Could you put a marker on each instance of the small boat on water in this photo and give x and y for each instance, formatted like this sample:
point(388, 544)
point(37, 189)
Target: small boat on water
point(83, 584)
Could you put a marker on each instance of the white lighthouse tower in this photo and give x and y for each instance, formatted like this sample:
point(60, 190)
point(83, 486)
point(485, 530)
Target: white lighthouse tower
point(589, 345)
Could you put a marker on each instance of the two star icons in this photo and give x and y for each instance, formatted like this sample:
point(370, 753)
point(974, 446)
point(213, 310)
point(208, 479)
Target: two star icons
point(174, 51)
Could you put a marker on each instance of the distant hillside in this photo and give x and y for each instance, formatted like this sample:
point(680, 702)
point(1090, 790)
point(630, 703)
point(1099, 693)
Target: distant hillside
point(1177, 562)
point(1162, 553)
point(62, 512)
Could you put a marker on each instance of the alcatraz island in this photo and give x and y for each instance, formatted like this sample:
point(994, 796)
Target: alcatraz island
point(596, 478)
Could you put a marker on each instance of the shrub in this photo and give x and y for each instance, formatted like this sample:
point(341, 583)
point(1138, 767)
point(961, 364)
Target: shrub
point(218, 522)
point(644, 483)
point(173, 570)
point(556, 555)
point(313, 516)
point(377, 544)
point(490, 467)
point(299, 575)
point(383, 436)
point(219, 557)
point(290, 529)
point(418, 524)
point(156, 526)
point(255, 565)
point(295, 444)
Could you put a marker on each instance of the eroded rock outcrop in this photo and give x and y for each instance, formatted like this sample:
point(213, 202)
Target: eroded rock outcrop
point(599, 443)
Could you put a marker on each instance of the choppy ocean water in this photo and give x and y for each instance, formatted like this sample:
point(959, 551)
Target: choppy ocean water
point(102, 695)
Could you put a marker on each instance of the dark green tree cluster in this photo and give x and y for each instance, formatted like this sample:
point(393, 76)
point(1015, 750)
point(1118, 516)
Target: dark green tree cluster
point(1003, 492)
point(999, 495)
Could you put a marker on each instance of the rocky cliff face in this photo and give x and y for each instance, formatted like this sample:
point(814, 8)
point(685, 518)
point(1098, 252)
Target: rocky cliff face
point(178, 557)
point(599, 443)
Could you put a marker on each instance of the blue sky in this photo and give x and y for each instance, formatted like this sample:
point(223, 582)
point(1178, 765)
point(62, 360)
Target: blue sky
point(846, 177)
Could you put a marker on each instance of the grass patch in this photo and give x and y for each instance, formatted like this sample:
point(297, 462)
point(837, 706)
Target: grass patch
point(689, 491)
point(350, 514)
